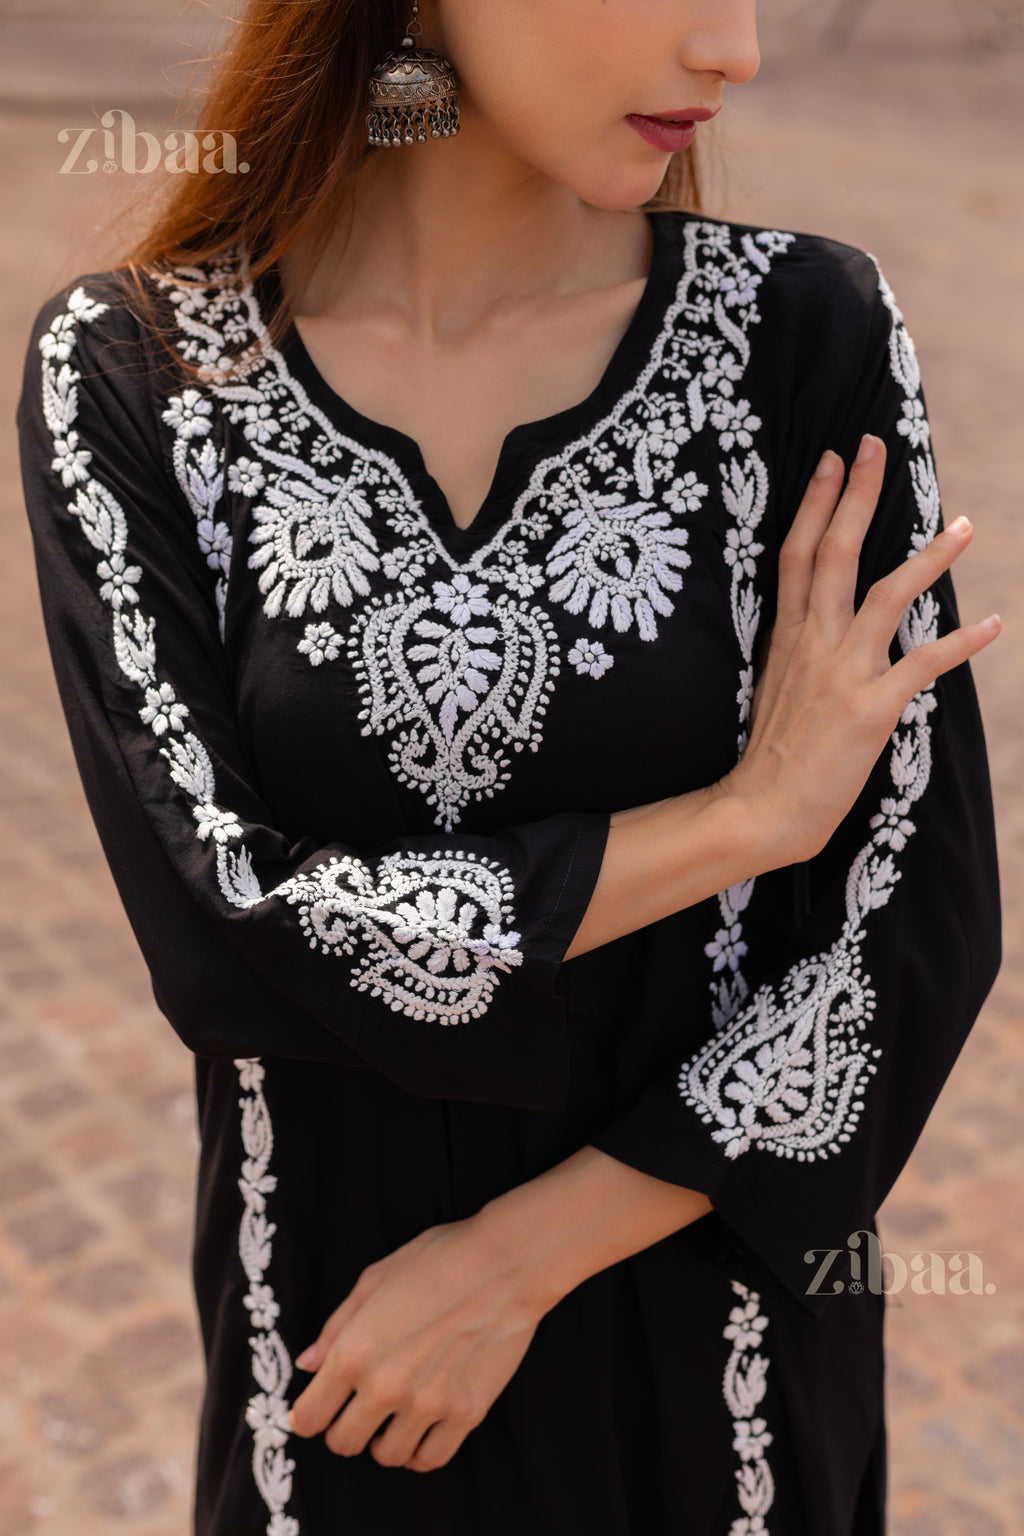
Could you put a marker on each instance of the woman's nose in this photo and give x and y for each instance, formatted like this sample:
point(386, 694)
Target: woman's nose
point(722, 39)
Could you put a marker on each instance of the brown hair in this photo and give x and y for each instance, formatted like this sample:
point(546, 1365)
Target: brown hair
point(290, 87)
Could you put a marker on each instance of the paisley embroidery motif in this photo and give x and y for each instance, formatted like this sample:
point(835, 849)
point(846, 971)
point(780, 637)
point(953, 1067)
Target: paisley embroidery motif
point(454, 696)
point(421, 941)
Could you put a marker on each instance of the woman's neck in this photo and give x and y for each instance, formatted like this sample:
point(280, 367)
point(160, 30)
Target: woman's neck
point(440, 235)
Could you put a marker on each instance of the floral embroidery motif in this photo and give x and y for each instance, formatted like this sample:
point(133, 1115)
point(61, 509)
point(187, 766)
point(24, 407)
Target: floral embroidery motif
point(456, 660)
point(620, 560)
point(787, 1071)
point(743, 1386)
point(267, 1410)
point(437, 955)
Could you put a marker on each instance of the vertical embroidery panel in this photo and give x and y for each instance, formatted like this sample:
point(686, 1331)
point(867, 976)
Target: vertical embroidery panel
point(267, 1410)
point(743, 1387)
point(787, 1072)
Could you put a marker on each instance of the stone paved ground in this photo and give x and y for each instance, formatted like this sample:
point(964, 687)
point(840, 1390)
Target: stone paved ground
point(905, 143)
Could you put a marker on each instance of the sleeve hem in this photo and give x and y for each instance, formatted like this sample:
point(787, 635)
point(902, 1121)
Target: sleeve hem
point(582, 870)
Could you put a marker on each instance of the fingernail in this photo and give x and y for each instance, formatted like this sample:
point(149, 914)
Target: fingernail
point(826, 465)
point(305, 1360)
point(868, 449)
point(959, 525)
point(992, 622)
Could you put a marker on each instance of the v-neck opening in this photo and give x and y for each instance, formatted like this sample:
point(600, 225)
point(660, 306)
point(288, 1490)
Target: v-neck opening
point(624, 365)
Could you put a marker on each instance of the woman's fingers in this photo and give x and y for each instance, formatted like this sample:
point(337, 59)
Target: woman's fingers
point(312, 1357)
point(322, 1399)
point(889, 598)
point(439, 1445)
point(800, 546)
point(837, 560)
point(359, 1421)
point(921, 666)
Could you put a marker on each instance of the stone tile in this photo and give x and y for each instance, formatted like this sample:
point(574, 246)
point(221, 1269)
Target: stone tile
point(993, 1126)
point(907, 1382)
point(980, 1449)
point(29, 1353)
point(51, 1098)
point(957, 1517)
point(91, 1143)
point(147, 1194)
point(940, 1159)
point(1002, 1375)
point(51, 1233)
point(23, 1178)
point(908, 1219)
point(153, 1348)
point(33, 978)
point(172, 1242)
point(81, 1420)
point(16, 1514)
point(126, 1487)
point(105, 1287)
point(22, 1053)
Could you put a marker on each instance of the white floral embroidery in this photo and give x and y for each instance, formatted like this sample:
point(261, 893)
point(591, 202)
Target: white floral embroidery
point(620, 559)
point(590, 656)
point(321, 642)
point(267, 1410)
point(735, 423)
point(743, 1386)
point(686, 494)
point(189, 414)
point(787, 1071)
point(246, 478)
point(162, 709)
point(597, 530)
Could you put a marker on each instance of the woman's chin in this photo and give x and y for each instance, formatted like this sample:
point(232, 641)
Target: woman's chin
point(621, 192)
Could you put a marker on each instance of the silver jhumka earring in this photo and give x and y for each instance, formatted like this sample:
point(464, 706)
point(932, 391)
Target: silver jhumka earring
point(413, 92)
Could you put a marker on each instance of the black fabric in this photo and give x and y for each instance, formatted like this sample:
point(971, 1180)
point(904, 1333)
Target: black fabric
point(353, 766)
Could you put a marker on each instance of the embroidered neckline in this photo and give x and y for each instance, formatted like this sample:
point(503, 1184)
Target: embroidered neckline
point(455, 658)
point(544, 435)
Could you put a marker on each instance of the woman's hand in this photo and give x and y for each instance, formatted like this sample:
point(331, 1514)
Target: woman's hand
point(828, 697)
point(429, 1336)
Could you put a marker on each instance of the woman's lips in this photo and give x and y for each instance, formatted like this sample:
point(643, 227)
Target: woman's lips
point(671, 137)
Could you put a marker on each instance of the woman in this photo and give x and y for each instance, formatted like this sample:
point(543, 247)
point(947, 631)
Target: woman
point(506, 633)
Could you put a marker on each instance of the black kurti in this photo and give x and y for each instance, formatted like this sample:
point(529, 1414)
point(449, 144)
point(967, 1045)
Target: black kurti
point(353, 766)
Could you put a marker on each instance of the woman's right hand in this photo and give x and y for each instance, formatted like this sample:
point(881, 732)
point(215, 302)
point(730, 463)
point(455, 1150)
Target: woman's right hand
point(828, 699)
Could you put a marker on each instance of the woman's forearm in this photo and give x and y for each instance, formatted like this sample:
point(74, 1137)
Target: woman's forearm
point(672, 854)
point(587, 1212)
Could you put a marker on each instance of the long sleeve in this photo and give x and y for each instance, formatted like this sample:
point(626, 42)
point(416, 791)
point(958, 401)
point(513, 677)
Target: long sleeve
point(434, 959)
point(799, 1110)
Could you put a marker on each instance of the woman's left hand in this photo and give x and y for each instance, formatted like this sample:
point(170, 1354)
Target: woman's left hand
point(428, 1336)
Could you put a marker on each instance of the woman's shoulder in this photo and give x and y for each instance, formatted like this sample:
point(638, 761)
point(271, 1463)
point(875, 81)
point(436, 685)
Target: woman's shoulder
point(802, 274)
point(129, 302)
point(148, 332)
